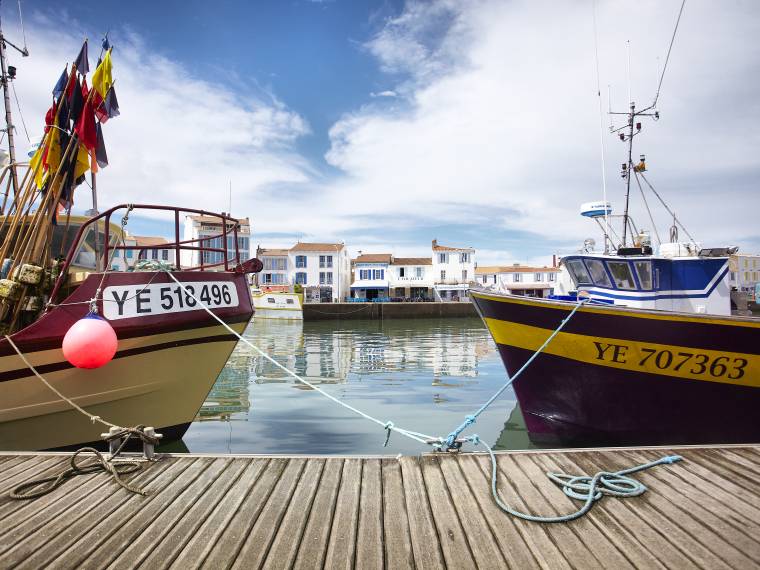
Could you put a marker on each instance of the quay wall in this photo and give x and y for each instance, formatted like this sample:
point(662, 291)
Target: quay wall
point(355, 311)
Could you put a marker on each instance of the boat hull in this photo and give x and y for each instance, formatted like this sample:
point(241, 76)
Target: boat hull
point(617, 376)
point(164, 367)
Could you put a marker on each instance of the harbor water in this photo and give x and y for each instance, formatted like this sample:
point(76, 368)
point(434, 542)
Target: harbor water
point(423, 375)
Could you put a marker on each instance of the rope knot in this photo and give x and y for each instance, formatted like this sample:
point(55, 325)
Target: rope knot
point(388, 430)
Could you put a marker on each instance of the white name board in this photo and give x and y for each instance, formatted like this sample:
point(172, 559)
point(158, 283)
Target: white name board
point(129, 301)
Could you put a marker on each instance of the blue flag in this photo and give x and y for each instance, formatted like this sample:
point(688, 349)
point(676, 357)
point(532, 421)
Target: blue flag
point(111, 104)
point(61, 85)
point(106, 45)
point(83, 66)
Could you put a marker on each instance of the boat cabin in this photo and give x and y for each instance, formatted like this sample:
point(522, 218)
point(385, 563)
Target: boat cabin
point(691, 284)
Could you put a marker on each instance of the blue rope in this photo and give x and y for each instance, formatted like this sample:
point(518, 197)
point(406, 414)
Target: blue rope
point(450, 442)
point(581, 487)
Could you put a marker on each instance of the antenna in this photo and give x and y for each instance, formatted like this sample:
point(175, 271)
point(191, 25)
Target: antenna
point(601, 139)
point(667, 57)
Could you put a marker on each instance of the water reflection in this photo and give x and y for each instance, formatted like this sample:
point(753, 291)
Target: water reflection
point(425, 375)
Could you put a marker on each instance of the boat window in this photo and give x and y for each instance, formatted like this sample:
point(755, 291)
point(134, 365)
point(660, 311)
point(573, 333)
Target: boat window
point(270, 300)
point(289, 301)
point(578, 271)
point(644, 270)
point(621, 273)
point(598, 273)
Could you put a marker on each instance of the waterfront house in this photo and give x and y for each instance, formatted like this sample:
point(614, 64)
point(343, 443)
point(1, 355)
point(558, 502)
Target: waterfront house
point(323, 269)
point(209, 229)
point(453, 271)
point(274, 275)
point(744, 273)
point(411, 278)
point(371, 276)
point(518, 279)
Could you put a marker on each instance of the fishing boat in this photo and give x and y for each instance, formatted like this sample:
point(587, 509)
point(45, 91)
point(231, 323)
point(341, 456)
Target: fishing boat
point(277, 304)
point(652, 354)
point(58, 269)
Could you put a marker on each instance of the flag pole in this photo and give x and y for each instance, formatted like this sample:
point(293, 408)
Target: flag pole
point(8, 120)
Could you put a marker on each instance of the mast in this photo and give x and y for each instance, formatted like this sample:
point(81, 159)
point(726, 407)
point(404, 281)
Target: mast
point(8, 119)
point(628, 171)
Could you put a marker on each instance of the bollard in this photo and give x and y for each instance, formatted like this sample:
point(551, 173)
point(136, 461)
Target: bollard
point(149, 450)
point(113, 444)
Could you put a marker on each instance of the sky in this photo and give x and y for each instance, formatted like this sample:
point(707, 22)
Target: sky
point(386, 124)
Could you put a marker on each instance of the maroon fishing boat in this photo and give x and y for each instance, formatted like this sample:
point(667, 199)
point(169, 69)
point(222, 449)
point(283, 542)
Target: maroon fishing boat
point(170, 350)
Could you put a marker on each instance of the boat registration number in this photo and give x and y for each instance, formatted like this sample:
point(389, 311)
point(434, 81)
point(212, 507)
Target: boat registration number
point(130, 301)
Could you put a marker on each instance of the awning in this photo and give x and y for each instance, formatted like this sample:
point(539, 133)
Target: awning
point(369, 287)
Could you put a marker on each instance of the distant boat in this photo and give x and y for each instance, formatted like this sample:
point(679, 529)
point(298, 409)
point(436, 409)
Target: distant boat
point(277, 305)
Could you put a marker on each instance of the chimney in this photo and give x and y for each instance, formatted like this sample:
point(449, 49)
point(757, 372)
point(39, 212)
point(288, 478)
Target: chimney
point(554, 260)
point(435, 243)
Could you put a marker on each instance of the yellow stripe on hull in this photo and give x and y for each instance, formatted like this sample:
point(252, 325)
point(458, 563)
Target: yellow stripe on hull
point(645, 357)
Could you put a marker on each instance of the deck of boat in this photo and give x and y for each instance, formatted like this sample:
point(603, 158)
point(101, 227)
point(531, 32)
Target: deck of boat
point(382, 512)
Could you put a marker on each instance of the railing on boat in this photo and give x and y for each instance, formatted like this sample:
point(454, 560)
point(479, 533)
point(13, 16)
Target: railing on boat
point(229, 228)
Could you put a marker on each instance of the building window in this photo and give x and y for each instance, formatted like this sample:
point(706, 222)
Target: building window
point(325, 278)
point(365, 274)
point(420, 272)
point(267, 278)
point(443, 258)
point(552, 277)
point(516, 277)
point(154, 254)
point(300, 261)
point(538, 277)
point(301, 278)
point(325, 261)
point(379, 274)
point(494, 279)
point(129, 254)
point(165, 254)
point(274, 263)
point(464, 258)
point(401, 272)
point(464, 275)
point(443, 275)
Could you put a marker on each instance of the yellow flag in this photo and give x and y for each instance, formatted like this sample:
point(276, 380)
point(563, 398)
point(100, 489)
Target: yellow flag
point(34, 164)
point(53, 158)
point(83, 162)
point(101, 79)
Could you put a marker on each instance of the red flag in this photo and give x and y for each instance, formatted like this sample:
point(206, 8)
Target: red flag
point(85, 127)
point(50, 117)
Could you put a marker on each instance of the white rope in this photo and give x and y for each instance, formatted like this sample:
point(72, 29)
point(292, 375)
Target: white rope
point(420, 437)
point(73, 404)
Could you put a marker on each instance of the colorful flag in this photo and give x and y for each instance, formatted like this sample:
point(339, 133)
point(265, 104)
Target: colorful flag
point(61, 85)
point(111, 103)
point(101, 79)
point(53, 156)
point(81, 63)
point(35, 164)
point(106, 45)
point(100, 151)
point(82, 164)
point(85, 126)
point(76, 102)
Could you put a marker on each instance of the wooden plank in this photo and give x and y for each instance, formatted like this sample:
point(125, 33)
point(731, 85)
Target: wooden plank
point(162, 539)
point(586, 531)
point(603, 518)
point(11, 508)
point(341, 549)
point(397, 543)
point(91, 517)
point(199, 545)
point(454, 545)
point(369, 540)
point(289, 532)
point(573, 549)
point(675, 527)
point(422, 530)
point(81, 551)
point(224, 551)
point(726, 468)
point(522, 544)
point(483, 544)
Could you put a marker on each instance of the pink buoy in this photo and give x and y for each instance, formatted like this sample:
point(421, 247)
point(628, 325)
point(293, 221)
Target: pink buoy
point(90, 342)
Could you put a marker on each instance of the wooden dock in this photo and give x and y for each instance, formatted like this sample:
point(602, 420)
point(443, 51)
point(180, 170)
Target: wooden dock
point(431, 511)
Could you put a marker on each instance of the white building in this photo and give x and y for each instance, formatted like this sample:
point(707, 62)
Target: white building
point(323, 269)
point(209, 230)
point(519, 279)
point(275, 274)
point(744, 272)
point(411, 278)
point(371, 277)
point(453, 271)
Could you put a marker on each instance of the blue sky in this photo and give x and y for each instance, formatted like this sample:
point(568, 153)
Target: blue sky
point(387, 124)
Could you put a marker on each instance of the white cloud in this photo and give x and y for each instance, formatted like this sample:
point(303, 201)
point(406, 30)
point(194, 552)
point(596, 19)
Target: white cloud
point(501, 112)
point(180, 139)
point(384, 94)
